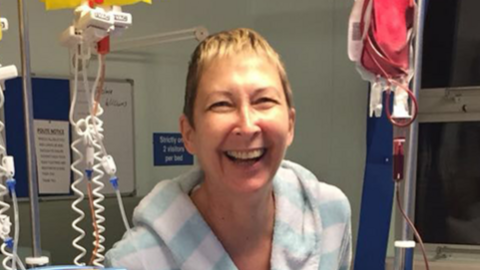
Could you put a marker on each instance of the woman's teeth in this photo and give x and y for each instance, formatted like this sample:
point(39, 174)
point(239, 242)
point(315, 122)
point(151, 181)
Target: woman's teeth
point(245, 155)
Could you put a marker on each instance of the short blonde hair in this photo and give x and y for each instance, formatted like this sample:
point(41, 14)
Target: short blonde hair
point(228, 43)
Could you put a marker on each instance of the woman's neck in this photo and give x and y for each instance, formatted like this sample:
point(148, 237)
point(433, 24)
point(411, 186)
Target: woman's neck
point(242, 222)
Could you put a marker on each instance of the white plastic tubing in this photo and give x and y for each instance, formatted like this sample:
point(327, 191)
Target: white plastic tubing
point(78, 175)
point(4, 207)
point(94, 125)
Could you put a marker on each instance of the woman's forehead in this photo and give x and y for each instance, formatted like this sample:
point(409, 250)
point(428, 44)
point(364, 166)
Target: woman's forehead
point(224, 69)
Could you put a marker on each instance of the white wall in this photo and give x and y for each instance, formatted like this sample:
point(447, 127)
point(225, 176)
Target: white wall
point(310, 35)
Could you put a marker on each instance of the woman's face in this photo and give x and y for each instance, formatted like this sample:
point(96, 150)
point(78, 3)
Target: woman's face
point(242, 123)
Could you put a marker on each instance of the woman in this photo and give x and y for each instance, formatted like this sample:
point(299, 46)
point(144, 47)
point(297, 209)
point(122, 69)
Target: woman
point(243, 208)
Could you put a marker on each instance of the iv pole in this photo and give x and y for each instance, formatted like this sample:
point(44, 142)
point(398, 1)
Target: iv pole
point(30, 143)
point(401, 262)
point(36, 259)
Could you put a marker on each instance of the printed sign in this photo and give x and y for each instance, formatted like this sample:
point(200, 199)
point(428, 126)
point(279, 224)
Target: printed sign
point(168, 150)
point(52, 146)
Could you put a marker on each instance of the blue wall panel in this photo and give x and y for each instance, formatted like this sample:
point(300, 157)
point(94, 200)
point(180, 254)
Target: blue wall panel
point(51, 101)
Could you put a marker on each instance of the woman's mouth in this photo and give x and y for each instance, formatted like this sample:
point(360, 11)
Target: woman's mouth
point(246, 155)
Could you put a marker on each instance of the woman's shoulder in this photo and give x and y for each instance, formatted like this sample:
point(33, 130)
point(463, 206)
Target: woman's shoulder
point(326, 196)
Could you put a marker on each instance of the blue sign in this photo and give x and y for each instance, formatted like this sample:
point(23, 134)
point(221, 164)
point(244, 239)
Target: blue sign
point(168, 150)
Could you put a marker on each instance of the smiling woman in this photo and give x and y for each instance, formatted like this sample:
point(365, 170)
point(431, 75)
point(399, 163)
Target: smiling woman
point(242, 124)
point(244, 207)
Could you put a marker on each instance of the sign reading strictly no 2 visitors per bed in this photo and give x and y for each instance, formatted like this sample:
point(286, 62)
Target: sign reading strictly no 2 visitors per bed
point(168, 150)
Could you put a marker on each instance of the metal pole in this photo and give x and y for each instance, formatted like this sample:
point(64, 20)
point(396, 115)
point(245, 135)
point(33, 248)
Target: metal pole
point(30, 143)
point(412, 139)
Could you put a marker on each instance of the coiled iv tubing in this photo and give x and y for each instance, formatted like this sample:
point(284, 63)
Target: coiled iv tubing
point(78, 175)
point(4, 207)
point(8, 242)
point(95, 127)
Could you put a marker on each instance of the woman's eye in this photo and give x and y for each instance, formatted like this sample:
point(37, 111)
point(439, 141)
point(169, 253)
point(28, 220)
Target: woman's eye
point(265, 100)
point(220, 104)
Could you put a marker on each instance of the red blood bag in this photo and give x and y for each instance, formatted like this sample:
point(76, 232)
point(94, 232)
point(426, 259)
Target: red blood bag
point(380, 35)
point(385, 27)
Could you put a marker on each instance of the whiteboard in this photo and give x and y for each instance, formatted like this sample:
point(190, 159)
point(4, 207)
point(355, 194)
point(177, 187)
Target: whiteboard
point(117, 102)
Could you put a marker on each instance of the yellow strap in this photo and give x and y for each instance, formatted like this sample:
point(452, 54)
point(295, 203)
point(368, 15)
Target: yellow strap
point(61, 4)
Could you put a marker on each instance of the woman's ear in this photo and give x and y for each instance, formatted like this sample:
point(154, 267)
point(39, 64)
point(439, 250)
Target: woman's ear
point(188, 134)
point(291, 125)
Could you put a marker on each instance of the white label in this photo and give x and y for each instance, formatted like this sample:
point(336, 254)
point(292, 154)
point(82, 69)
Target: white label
point(102, 16)
point(121, 18)
point(53, 156)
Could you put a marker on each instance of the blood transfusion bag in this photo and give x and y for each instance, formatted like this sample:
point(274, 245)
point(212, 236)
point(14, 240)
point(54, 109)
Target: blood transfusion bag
point(379, 39)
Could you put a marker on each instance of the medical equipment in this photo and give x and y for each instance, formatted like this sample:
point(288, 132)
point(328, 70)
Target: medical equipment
point(380, 34)
point(77, 174)
point(380, 43)
point(89, 33)
point(198, 33)
point(7, 171)
point(37, 258)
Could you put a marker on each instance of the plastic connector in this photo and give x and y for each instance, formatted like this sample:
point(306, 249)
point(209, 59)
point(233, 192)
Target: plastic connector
point(398, 158)
point(9, 242)
point(92, 35)
point(400, 104)
point(96, 17)
point(89, 173)
point(34, 262)
point(89, 156)
point(109, 165)
point(201, 33)
point(89, 161)
point(114, 182)
point(70, 38)
point(376, 100)
point(8, 72)
point(405, 244)
point(5, 226)
point(11, 184)
point(121, 19)
point(4, 23)
point(9, 165)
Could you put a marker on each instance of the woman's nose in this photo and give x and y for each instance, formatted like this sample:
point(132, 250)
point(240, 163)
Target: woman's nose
point(247, 124)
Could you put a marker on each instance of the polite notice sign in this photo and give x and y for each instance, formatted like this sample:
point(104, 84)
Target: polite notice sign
point(52, 146)
point(168, 150)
